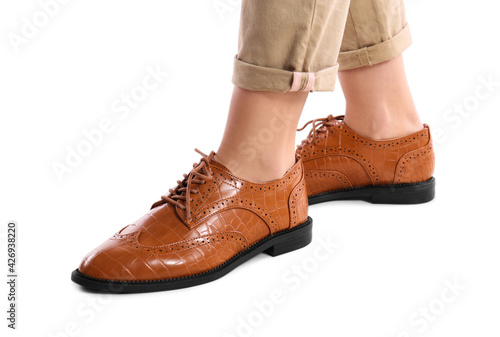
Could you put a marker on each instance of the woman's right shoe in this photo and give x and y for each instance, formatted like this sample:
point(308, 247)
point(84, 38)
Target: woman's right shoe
point(209, 224)
point(342, 165)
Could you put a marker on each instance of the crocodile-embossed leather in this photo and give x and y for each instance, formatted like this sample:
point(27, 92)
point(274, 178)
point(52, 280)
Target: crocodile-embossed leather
point(226, 215)
point(335, 158)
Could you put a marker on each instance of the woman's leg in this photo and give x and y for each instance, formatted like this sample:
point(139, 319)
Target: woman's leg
point(379, 104)
point(259, 140)
point(379, 152)
point(286, 49)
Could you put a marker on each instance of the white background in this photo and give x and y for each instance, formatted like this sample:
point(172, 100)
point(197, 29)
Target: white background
point(391, 261)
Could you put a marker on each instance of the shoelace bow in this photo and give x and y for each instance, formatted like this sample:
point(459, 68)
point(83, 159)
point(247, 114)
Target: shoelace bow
point(180, 196)
point(317, 127)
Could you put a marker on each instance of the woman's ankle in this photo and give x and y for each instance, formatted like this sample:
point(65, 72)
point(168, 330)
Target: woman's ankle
point(383, 125)
point(259, 139)
point(379, 103)
point(257, 168)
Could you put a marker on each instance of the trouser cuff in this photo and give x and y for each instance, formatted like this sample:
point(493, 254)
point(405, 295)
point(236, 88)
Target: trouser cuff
point(378, 53)
point(257, 78)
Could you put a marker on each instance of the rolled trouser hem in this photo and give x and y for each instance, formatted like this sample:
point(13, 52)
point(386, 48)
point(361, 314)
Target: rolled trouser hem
point(257, 78)
point(378, 53)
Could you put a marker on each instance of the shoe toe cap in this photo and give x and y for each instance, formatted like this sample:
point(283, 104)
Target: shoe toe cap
point(106, 262)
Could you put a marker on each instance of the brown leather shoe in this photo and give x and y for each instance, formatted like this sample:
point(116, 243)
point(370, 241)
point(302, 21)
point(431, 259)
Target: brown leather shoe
point(342, 165)
point(205, 227)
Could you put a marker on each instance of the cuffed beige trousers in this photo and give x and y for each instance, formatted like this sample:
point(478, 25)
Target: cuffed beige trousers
point(299, 45)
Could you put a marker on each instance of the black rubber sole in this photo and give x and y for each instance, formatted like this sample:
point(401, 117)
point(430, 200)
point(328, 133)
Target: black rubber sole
point(416, 193)
point(274, 245)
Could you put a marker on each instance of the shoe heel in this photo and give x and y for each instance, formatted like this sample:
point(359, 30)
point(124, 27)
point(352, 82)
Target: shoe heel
point(405, 194)
point(296, 238)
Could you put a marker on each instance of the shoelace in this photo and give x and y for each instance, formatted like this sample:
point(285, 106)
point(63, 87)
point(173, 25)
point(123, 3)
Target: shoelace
point(180, 196)
point(318, 127)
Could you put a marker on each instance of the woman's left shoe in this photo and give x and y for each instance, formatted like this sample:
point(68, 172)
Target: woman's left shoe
point(209, 224)
point(340, 164)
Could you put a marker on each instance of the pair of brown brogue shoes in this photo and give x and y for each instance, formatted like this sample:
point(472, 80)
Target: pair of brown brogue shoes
point(213, 221)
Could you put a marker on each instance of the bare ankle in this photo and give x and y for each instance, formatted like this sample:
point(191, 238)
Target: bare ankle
point(379, 101)
point(257, 169)
point(387, 125)
point(258, 144)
